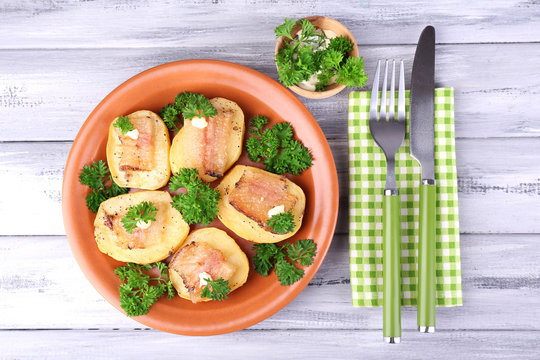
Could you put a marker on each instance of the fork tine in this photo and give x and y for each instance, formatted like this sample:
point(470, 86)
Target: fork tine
point(374, 95)
point(384, 114)
point(401, 93)
point(392, 106)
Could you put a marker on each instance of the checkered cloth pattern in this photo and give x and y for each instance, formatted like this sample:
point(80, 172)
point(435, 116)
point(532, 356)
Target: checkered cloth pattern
point(367, 174)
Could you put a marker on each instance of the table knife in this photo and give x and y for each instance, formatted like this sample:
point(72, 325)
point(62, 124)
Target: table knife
point(422, 148)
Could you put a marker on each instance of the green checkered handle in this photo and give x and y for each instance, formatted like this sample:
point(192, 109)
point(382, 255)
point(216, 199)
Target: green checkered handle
point(426, 258)
point(391, 268)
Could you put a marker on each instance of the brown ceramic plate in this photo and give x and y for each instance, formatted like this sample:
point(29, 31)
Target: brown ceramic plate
point(256, 94)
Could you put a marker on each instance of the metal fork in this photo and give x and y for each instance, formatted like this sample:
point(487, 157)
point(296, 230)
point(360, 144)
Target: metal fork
point(389, 132)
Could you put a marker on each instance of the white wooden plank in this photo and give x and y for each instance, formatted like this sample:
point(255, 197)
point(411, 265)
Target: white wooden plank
point(132, 23)
point(291, 344)
point(43, 288)
point(47, 94)
point(492, 197)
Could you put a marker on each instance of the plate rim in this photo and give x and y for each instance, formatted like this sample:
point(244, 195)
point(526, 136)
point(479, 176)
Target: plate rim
point(100, 285)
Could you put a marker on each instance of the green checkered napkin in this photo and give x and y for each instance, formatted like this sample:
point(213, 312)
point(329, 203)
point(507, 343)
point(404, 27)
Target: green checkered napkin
point(367, 174)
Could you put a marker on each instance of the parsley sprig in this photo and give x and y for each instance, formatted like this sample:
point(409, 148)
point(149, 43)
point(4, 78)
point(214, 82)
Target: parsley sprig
point(97, 177)
point(143, 212)
point(307, 54)
point(123, 123)
point(351, 73)
point(194, 105)
point(186, 105)
point(284, 259)
point(286, 272)
point(200, 202)
point(285, 29)
point(281, 223)
point(276, 147)
point(139, 291)
point(303, 251)
point(263, 260)
point(171, 116)
point(216, 289)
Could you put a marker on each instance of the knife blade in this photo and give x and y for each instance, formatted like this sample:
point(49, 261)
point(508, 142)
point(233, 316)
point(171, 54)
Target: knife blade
point(422, 148)
point(422, 126)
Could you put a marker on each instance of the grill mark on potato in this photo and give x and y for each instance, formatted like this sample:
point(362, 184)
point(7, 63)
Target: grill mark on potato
point(109, 221)
point(214, 174)
point(184, 280)
point(130, 168)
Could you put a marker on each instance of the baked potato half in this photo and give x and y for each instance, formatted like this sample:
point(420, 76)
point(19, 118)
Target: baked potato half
point(214, 148)
point(207, 252)
point(142, 246)
point(140, 159)
point(248, 194)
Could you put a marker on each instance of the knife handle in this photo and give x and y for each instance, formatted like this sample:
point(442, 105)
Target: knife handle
point(391, 269)
point(426, 299)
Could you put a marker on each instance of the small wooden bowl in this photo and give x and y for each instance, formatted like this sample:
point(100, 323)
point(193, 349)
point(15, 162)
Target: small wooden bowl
point(323, 23)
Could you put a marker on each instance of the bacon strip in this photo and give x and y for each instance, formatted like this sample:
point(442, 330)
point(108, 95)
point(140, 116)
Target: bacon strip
point(207, 147)
point(256, 193)
point(193, 145)
point(139, 238)
point(138, 155)
point(196, 258)
point(217, 135)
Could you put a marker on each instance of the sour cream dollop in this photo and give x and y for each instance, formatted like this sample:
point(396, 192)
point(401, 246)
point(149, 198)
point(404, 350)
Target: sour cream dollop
point(199, 122)
point(134, 134)
point(143, 224)
point(202, 279)
point(276, 210)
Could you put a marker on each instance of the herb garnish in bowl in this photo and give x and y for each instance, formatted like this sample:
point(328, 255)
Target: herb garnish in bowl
point(317, 57)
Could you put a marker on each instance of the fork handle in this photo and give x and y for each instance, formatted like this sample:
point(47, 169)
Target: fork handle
point(391, 269)
point(426, 299)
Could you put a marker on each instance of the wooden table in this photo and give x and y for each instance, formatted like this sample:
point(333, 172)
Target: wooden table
point(58, 59)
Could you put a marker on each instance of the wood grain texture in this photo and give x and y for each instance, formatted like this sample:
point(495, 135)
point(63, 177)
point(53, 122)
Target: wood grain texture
point(497, 180)
point(51, 92)
point(293, 344)
point(148, 24)
point(49, 291)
